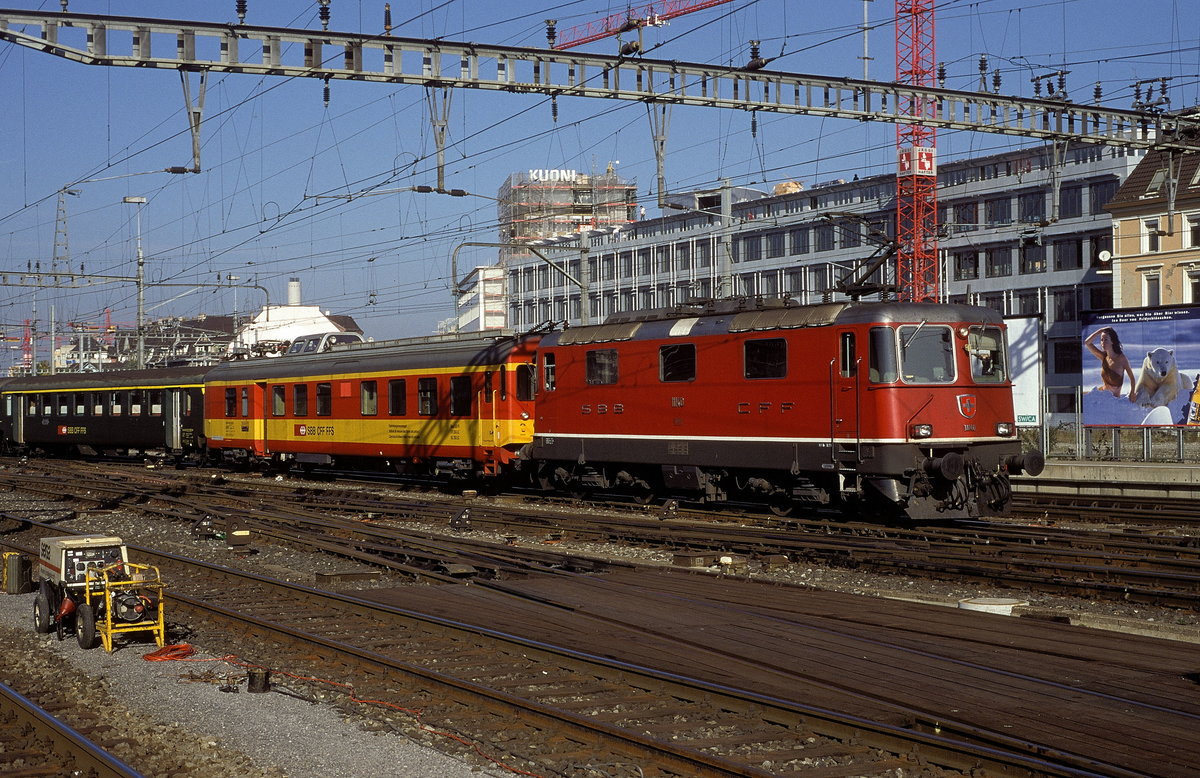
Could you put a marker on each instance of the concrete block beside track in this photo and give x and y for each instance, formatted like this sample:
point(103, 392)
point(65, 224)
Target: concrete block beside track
point(1114, 479)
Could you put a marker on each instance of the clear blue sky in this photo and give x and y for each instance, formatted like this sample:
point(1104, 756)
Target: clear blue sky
point(270, 144)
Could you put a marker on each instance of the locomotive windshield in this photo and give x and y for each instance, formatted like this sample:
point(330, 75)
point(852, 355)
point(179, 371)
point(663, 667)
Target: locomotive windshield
point(926, 354)
point(986, 347)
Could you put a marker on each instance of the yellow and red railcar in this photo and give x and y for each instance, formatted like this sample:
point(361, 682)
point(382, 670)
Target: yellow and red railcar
point(893, 408)
point(457, 406)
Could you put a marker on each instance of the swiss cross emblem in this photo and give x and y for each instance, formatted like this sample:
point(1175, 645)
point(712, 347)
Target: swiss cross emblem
point(62, 430)
point(301, 430)
point(967, 405)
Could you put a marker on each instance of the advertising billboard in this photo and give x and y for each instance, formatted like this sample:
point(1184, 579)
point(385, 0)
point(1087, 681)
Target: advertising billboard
point(1141, 367)
point(1025, 358)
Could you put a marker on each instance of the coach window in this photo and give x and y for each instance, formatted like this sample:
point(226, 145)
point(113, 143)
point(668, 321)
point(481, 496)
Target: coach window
point(97, 402)
point(47, 405)
point(34, 404)
point(156, 402)
point(986, 347)
point(677, 362)
point(766, 358)
point(849, 357)
point(136, 400)
point(548, 368)
point(427, 396)
point(369, 398)
point(324, 399)
point(230, 402)
point(602, 366)
point(487, 386)
point(926, 354)
point(80, 399)
point(116, 403)
point(882, 356)
point(397, 397)
point(64, 404)
point(278, 400)
point(300, 400)
point(460, 395)
point(526, 381)
point(245, 402)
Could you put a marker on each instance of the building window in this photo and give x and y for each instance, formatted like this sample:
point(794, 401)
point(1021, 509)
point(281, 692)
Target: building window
point(1100, 193)
point(1150, 242)
point(683, 256)
point(1033, 259)
point(1152, 289)
point(300, 400)
point(1154, 188)
point(643, 261)
point(397, 397)
point(1100, 297)
point(427, 396)
point(993, 301)
point(1032, 207)
point(1065, 308)
point(602, 366)
point(369, 398)
point(1068, 356)
point(765, 358)
point(966, 265)
point(1070, 202)
point(677, 362)
point(460, 395)
point(278, 400)
point(823, 237)
point(997, 211)
point(799, 240)
point(1028, 302)
point(966, 216)
point(1191, 288)
point(999, 262)
point(662, 262)
point(775, 244)
point(1193, 224)
point(1068, 254)
point(752, 248)
point(324, 399)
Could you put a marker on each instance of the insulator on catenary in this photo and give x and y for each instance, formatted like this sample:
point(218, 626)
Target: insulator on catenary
point(327, 93)
point(754, 124)
point(1097, 93)
point(551, 31)
point(323, 14)
point(554, 108)
point(387, 18)
point(941, 74)
point(240, 6)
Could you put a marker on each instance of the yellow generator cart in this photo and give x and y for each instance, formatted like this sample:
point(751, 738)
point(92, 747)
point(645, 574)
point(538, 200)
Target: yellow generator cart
point(87, 584)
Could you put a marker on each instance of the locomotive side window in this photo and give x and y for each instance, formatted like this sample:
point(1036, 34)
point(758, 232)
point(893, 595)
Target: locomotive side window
point(427, 396)
point(765, 358)
point(926, 354)
point(526, 381)
point(986, 347)
point(460, 395)
point(677, 362)
point(230, 403)
point(300, 400)
point(548, 371)
point(882, 356)
point(397, 397)
point(324, 399)
point(848, 357)
point(369, 398)
point(503, 382)
point(602, 366)
point(278, 400)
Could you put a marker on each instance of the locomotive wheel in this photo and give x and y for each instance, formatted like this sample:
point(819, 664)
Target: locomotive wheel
point(85, 626)
point(577, 490)
point(781, 503)
point(42, 623)
point(644, 493)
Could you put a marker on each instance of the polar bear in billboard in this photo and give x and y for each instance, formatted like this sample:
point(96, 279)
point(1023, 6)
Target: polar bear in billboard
point(1159, 382)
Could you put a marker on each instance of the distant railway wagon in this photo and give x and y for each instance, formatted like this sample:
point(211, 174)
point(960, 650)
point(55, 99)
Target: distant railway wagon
point(125, 413)
point(453, 406)
point(903, 409)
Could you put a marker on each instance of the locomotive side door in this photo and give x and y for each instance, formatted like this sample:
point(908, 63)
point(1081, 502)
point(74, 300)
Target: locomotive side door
point(845, 387)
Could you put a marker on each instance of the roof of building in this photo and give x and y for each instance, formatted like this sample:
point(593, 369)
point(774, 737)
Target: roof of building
point(1146, 189)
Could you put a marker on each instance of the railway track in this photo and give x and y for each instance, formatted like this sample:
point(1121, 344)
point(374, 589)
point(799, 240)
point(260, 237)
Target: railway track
point(35, 743)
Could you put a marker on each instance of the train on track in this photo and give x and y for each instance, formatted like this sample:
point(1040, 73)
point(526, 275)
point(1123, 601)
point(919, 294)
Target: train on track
point(892, 410)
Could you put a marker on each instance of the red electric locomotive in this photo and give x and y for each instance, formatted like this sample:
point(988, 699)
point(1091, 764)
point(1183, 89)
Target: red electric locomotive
point(893, 409)
point(457, 406)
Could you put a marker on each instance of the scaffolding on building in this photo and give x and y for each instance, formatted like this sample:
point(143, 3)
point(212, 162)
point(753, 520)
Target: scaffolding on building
point(540, 204)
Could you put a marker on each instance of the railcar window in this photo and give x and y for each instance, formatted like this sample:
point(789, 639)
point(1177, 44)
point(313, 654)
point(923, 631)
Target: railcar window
point(766, 358)
point(116, 403)
point(97, 402)
point(460, 395)
point(526, 381)
point(602, 366)
point(230, 402)
point(278, 400)
point(503, 382)
point(47, 404)
point(245, 402)
point(63, 404)
point(80, 400)
point(548, 371)
point(8, 405)
point(369, 398)
point(300, 400)
point(986, 347)
point(35, 403)
point(324, 399)
point(135, 403)
point(882, 356)
point(926, 354)
point(156, 402)
point(848, 355)
point(487, 386)
point(677, 362)
point(310, 346)
point(397, 397)
point(427, 396)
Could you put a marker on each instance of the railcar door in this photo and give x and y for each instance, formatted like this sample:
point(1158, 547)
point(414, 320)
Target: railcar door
point(172, 418)
point(17, 414)
point(845, 401)
point(258, 419)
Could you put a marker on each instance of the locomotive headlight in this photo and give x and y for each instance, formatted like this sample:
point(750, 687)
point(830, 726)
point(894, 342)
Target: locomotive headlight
point(524, 416)
point(1005, 429)
point(922, 431)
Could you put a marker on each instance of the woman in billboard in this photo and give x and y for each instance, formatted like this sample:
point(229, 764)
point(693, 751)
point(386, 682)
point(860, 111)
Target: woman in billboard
point(1114, 365)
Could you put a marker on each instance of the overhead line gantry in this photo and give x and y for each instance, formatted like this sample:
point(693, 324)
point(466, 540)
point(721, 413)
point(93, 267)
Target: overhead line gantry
point(224, 48)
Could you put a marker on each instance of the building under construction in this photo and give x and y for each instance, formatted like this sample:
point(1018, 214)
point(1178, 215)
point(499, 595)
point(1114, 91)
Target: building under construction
point(541, 204)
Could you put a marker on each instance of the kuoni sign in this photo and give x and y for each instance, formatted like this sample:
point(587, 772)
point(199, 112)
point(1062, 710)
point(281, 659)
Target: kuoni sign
point(1141, 367)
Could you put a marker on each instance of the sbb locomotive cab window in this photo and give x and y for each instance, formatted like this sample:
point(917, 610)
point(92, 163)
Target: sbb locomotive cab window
point(926, 354)
point(986, 347)
point(882, 356)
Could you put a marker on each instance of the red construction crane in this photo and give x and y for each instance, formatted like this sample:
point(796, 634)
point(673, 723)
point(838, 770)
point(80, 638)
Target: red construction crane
point(649, 15)
point(916, 156)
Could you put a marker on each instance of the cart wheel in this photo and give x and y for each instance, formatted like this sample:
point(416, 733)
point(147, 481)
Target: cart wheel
point(85, 625)
point(42, 623)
